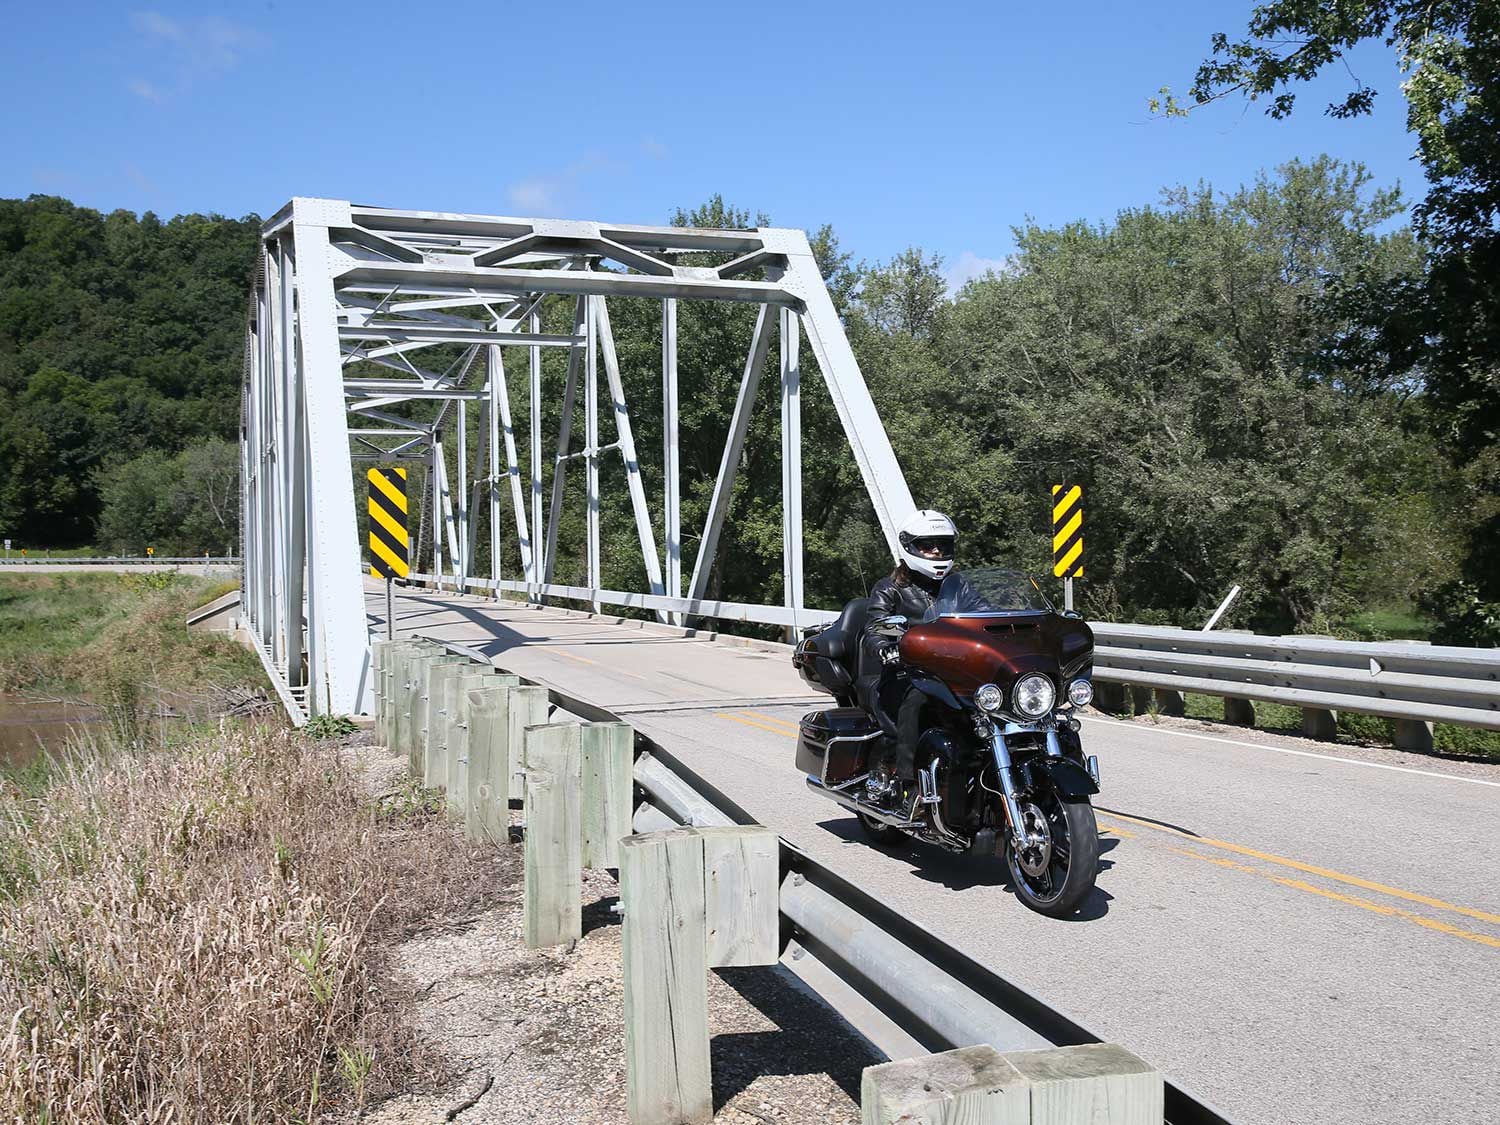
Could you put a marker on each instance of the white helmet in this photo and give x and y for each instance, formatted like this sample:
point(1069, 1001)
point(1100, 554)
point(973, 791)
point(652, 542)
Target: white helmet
point(927, 539)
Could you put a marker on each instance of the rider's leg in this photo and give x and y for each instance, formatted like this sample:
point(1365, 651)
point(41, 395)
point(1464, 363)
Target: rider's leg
point(908, 730)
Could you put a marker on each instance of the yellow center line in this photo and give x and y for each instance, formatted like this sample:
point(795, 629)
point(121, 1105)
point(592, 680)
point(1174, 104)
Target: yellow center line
point(1349, 900)
point(586, 660)
point(1311, 869)
point(1115, 829)
point(773, 719)
point(750, 722)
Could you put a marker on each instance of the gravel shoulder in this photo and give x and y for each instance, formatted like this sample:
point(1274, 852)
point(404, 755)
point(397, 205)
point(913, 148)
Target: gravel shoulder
point(538, 1035)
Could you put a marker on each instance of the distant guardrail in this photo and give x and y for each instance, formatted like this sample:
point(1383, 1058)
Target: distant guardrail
point(1415, 684)
point(124, 560)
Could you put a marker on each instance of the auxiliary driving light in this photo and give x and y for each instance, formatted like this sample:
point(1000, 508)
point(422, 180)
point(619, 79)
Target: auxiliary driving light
point(1080, 693)
point(1034, 695)
point(988, 697)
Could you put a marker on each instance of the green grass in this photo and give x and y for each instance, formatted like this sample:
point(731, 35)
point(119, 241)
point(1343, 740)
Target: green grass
point(1353, 728)
point(1388, 624)
point(84, 634)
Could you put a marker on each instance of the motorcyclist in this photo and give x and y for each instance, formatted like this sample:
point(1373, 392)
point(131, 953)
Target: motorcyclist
point(926, 540)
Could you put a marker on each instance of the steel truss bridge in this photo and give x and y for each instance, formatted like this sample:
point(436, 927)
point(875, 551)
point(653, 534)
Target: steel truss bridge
point(341, 286)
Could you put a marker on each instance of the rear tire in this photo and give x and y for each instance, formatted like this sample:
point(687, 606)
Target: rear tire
point(1068, 879)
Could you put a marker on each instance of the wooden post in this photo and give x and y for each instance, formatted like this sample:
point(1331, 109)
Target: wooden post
point(666, 979)
point(1109, 698)
point(379, 672)
point(456, 727)
point(1171, 702)
point(528, 708)
point(404, 655)
point(741, 876)
point(413, 716)
point(608, 789)
point(487, 810)
point(1101, 1083)
point(1239, 712)
point(1140, 700)
point(554, 865)
point(1320, 723)
point(969, 1086)
point(433, 733)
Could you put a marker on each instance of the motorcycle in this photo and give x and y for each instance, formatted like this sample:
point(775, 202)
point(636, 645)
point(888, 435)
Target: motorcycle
point(1000, 766)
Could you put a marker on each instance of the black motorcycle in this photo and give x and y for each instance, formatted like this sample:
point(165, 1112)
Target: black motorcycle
point(1000, 767)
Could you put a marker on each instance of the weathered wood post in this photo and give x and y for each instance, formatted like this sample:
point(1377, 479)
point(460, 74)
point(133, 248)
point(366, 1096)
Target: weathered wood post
point(1239, 712)
point(969, 1086)
point(528, 708)
point(742, 881)
point(434, 733)
point(1101, 1083)
point(1320, 723)
point(487, 808)
point(456, 728)
point(421, 675)
point(664, 948)
point(608, 789)
point(379, 669)
point(554, 837)
point(402, 655)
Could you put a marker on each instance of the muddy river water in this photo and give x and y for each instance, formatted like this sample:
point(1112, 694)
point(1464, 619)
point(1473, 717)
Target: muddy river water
point(27, 725)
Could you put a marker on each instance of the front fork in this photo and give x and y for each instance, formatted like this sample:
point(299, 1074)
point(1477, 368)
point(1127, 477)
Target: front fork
point(1006, 774)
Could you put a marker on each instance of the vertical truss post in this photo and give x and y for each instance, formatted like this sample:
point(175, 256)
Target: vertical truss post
point(791, 463)
point(564, 438)
point(492, 419)
point(436, 475)
point(718, 507)
point(671, 473)
point(461, 520)
point(535, 326)
point(479, 478)
point(501, 394)
point(341, 661)
point(644, 531)
point(270, 471)
point(450, 526)
point(591, 448)
point(295, 443)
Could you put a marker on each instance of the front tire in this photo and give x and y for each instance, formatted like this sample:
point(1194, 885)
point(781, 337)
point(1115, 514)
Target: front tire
point(1055, 881)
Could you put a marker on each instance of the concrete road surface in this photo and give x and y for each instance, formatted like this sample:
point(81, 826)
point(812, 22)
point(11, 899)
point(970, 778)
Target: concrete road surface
point(1296, 932)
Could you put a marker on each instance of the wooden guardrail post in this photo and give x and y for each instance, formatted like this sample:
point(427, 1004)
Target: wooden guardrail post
point(969, 1086)
point(433, 732)
point(397, 665)
point(1098, 1083)
point(1101, 1083)
point(487, 807)
point(528, 708)
point(742, 881)
point(664, 947)
point(1239, 712)
point(456, 728)
point(1320, 723)
point(608, 788)
point(554, 838)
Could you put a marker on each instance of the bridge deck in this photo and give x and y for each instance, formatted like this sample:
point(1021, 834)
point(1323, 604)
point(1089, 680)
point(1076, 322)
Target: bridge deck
point(1294, 934)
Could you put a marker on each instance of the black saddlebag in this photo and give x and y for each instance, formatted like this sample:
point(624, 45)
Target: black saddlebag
point(835, 745)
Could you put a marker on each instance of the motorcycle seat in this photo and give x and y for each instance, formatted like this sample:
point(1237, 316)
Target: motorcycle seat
point(840, 641)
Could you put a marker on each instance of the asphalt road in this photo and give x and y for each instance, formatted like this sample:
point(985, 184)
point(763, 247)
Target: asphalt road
point(1294, 931)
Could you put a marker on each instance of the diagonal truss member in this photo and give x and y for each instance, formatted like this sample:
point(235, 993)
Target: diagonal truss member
point(343, 290)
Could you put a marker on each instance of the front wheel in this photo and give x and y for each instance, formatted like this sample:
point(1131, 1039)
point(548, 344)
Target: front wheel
point(1055, 871)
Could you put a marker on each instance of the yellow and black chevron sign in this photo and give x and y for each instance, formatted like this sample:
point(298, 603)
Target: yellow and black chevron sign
point(389, 542)
point(1067, 531)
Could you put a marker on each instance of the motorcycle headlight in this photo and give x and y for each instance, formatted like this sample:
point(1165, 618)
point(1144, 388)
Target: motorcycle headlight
point(1080, 693)
point(987, 697)
point(1034, 695)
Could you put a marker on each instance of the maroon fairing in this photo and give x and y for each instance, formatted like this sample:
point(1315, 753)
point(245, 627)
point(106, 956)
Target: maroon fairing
point(965, 652)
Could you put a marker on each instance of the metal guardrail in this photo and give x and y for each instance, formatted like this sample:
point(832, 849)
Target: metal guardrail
point(1404, 680)
point(124, 560)
point(941, 997)
point(1395, 679)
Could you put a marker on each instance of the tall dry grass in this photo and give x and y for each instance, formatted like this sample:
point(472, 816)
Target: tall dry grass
point(190, 934)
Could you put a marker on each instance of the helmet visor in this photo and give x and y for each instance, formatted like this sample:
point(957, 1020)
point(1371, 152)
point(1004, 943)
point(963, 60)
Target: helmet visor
point(935, 548)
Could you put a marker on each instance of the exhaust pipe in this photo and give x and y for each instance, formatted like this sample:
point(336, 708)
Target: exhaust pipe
point(894, 820)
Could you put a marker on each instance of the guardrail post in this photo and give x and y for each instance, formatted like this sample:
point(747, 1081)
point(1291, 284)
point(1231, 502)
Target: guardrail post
point(487, 808)
point(1239, 712)
point(1170, 702)
point(415, 720)
point(456, 732)
point(969, 1086)
point(1109, 698)
point(380, 675)
point(434, 732)
point(528, 708)
point(1101, 1083)
point(608, 789)
point(401, 655)
point(664, 948)
point(1413, 734)
point(1140, 699)
point(741, 876)
point(554, 865)
point(1320, 723)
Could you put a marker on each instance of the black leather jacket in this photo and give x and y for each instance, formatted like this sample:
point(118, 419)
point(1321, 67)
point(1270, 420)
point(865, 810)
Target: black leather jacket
point(912, 600)
point(887, 597)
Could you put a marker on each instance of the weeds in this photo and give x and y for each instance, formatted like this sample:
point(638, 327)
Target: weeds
point(329, 726)
point(190, 933)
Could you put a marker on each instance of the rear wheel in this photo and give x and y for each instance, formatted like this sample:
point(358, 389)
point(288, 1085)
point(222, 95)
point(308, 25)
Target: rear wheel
point(878, 832)
point(1055, 871)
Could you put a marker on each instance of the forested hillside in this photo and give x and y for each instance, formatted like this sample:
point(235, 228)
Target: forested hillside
point(119, 335)
point(1188, 362)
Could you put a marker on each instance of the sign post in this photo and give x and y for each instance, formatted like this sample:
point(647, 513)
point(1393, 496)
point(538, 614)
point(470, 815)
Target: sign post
point(389, 539)
point(1067, 537)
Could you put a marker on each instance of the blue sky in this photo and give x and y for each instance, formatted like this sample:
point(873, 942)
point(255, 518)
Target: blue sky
point(936, 125)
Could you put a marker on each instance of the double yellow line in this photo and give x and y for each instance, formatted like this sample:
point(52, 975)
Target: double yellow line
point(786, 729)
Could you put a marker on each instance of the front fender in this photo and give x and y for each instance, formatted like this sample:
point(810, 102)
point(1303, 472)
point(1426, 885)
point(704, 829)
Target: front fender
point(1062, 774)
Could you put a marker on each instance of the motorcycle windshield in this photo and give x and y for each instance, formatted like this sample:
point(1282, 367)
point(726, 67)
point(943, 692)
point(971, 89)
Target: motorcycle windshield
point(991, 590)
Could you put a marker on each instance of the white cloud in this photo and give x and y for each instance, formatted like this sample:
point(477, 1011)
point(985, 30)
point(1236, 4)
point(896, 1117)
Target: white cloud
point(189, 51)
point(969, 267)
